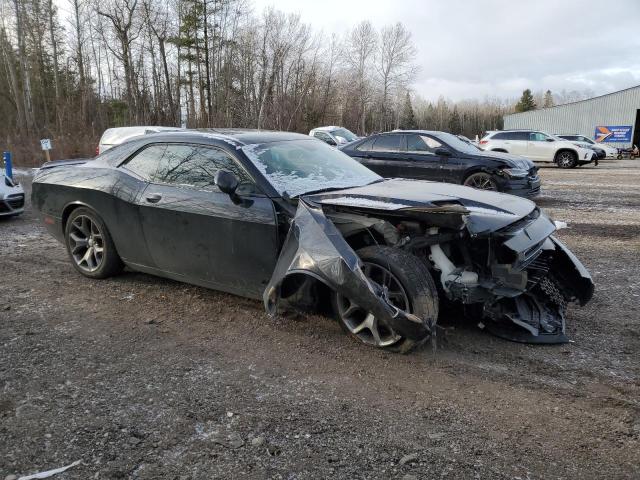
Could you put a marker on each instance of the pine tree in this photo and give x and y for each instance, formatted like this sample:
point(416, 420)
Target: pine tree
point(526, 102)
point(408, 119)
point(548, 99)
point(455, 124)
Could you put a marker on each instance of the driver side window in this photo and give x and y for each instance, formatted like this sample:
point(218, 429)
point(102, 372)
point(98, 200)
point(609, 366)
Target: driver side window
point(421, 144)
point(196, 166)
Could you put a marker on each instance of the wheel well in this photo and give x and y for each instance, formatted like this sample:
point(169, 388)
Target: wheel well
point(365, 238)
point(575, 154)
point(67, 212)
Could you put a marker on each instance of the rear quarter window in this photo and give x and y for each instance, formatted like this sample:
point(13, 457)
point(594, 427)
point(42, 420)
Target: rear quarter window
point(366, 145)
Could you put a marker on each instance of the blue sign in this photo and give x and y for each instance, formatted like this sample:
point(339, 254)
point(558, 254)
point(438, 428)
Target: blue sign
point(617, 134)
point(6, 156)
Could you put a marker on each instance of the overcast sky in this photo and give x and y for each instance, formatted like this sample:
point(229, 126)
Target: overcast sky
point(470, 49)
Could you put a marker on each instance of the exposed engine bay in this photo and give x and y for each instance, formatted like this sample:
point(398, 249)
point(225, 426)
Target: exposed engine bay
point(518, 276)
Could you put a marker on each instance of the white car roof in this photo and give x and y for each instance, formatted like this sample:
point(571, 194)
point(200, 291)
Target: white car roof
point(112, 136)
point(325, 129)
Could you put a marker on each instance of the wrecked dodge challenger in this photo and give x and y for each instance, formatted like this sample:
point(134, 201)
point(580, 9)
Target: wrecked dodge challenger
point(288, 219)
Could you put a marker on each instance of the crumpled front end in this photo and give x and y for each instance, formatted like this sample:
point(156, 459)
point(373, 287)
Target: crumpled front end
point(315, 247)
point(494, 252)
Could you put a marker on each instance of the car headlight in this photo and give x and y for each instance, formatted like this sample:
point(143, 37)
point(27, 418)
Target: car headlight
point(515, 172)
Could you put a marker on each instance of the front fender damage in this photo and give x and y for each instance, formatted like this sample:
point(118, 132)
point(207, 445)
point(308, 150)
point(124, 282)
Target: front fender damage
point(315, 247)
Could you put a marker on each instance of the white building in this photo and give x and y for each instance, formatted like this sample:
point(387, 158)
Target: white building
point(613, 118)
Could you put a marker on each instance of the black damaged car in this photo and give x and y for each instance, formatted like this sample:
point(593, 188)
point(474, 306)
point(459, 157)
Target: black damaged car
point(291, 220)
point(443, 157)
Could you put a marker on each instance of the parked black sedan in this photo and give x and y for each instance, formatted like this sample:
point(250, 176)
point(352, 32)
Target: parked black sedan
point(442, 157)
point(289, 219)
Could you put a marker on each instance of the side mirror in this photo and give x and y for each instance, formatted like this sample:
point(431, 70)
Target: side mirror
point(226, 182)
point(331, 142)
point(550, 140)
point(443, 152)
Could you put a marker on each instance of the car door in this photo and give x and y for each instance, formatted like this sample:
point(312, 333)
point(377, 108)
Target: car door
point(421, 160)
point(196, 233)
point(516, 142)
point(384, 154)
point(541, 147)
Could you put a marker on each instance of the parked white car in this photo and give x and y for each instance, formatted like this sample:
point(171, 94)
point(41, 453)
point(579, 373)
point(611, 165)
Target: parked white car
point(11, 197)
point(538, 146)
point(115, 136)
point(611, 152)
point(333, 135)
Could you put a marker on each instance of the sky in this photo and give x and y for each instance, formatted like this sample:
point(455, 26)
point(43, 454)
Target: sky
point(497, 48)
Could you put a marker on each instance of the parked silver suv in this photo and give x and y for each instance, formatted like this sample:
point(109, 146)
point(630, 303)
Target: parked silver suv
point(333, 135)
point(538, 146)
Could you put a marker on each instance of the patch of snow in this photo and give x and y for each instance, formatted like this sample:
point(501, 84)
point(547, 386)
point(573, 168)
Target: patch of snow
point(364, 203)
point(488, 211)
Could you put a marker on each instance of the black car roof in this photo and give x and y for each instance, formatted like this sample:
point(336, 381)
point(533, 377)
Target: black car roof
point(237, 137)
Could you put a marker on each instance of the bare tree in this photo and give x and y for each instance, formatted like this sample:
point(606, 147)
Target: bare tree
point(361, 47)
point(394, 64)
point(121, 13)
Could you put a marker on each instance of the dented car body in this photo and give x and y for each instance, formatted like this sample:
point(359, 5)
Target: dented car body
point(288, 219)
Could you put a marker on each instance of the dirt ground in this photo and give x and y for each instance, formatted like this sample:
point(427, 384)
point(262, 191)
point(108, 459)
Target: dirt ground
point(139, 377)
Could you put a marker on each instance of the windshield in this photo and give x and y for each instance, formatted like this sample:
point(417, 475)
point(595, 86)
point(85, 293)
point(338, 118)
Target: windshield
point(344, 133)
point(302, 166)
point(457, 144)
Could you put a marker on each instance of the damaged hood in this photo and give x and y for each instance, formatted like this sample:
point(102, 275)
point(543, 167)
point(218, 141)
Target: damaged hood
point(484, 211)
point(512, 160)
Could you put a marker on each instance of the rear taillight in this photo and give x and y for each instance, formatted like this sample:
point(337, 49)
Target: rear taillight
point(98, 150)
point(484, 142)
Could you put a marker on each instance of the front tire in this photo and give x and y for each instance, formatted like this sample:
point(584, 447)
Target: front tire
point(410, 288)
point(566, 159)
point(481, 181)
point(90, 246)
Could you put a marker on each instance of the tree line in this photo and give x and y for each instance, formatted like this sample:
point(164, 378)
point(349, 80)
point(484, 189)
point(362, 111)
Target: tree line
point(204, 63)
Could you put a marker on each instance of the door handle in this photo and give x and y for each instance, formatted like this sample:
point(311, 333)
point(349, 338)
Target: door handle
point(154, 197)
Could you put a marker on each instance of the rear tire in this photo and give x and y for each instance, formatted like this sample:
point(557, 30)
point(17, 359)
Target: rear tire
point(566, 159)
point(411, 288)
point(90, 246)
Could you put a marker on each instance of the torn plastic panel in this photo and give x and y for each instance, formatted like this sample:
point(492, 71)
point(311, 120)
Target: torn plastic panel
point(554, 278)
point(315, 247)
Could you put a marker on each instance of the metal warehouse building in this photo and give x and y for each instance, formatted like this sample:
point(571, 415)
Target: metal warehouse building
point(613, 118)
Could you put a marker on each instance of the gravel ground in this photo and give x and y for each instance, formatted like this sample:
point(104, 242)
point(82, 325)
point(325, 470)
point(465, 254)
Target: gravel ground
point(139, 377)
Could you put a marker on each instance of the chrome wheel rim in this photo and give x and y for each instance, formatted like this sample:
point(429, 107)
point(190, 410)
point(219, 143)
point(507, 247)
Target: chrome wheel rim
point(565, 159)
point(481, 182)
point(365, 325)
point(86, 243)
